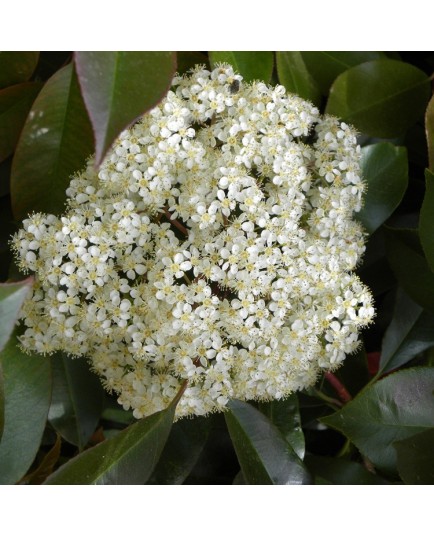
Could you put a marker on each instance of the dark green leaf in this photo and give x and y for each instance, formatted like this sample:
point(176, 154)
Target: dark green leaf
point(77, 400)
point(187, 60)
point(429, 127)
point(182, 450)
point(251, 65)
point(264, 455)
point(2, 401)
point(27, 389)
point(45, 468)
point(394, 408)
point(406, 259)
point(16, 67)
point(128, 458)
point(326, 66)
point(15, 103)
point(426, 221)
point(382, 98)
point(50, 62)
point(239, 479)
point(115, 413)
point(340, 471)
point(285, 415)
point(119, 87)
point(294, 75)
point(354, 371)
point(54, 144)
point(375, 270)
point(410, 332)
point(416, 458)
point(12, 296)
point(385, 171)
point(5, 174)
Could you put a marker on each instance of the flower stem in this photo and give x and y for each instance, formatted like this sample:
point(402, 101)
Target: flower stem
point(339, 387)
point(175, 222)
point(180, 392)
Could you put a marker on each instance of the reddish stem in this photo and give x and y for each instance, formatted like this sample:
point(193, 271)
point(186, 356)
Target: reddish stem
point(175, 222)
point(339, 387)
point(179, 394)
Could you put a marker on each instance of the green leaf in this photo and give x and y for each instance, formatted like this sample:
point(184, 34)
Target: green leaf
point(16, 67)
point(15, 104)
point(394, 408)
point(114, 413)
point(2, 402)
point(429, 128)
point(410, 333)
point(326, 66)
point(426, 221)
point(285, 414)
point(264, 455)
point(127, 458)
point(55, 142)
point(382, 98)
point(375, 270)
point(354, 372)
point(27, 390)
point(416, 458)
point(385, 171)
point(294, 75)
point(187, 60)
point(340, 471)
point(182, 450)
point(251, 65)
point(406, 258)
point(77, 400)
point(119, 87)
point(12, 297)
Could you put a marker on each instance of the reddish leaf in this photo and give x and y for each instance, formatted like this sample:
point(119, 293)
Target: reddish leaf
point(119, 87)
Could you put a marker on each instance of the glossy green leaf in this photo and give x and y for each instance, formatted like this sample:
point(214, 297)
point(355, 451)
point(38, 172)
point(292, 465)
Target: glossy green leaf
point(392, 409)
point(12, 296)
point(119, 87)
point(416, 458)
point(182, 450)
point(264, 455)
point(294, 75)
point(127, 458)
point(16, 67)
point(381, 98)
point(77, 400)
point(406, 258)
point(285, 414)
point(251, 65)
point(326, 66)
point(340, 471)
point(426, 221)
point(55, 143)
point(410, 332)
point(429, 128)
point(385, 171)
point(15, 104)
point(27, 390)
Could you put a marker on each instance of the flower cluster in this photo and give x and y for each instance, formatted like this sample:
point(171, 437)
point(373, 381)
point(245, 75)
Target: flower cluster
point(214, 248)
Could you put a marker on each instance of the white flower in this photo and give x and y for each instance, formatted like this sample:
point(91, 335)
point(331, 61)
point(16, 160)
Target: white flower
point(213, 247)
